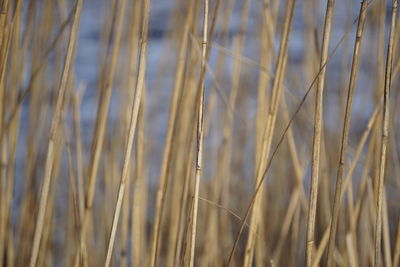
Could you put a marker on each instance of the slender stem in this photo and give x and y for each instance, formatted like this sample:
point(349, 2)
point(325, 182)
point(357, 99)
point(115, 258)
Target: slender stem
point(200, 121)
point(385, 133)
point(53, 135)
point(176, 92)
point(318, 119)
point(281, 138)
point(267, 133)
point(100, 127)
point(132, 127)
point(345, 134)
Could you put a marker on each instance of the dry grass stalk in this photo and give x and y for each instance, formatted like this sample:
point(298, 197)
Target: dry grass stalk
point(385, 133)
point(267, 135)
point(200, 133)
point(345, 134)
point(132, 125)
point(49, 164)
point(163, 181)
point(256, 150)
point(100, 128)
point(318, 119)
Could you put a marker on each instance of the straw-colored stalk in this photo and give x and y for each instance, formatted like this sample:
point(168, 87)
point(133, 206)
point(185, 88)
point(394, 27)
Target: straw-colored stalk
point(345, 134)
point(199, 146)
point(176, 93)
point(318, 119)
point(385, 133)
point(268, 131)
point(132, 127)
point(267, 136)
point(100, 127)
point(6, 34)
point(129, 83)
point(49, 163)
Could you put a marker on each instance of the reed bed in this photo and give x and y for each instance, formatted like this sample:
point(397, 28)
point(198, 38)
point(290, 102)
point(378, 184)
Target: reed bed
point(199, 133)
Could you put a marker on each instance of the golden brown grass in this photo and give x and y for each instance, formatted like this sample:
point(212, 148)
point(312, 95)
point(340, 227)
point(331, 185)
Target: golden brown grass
point(345, 134)
point(385, 133)
point(202, 133)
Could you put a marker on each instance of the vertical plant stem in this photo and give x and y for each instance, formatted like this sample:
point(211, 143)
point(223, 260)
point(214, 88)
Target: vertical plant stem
point(318, 119)
point(385, 133)
point(101, 121)
point(163, 181)
point(268, 131)
point(345, 134)
point(132, 127)
point(53, 135)
point(200, 121)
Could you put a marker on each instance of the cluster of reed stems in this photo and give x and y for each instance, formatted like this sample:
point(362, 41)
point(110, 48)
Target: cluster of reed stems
point(199, 133)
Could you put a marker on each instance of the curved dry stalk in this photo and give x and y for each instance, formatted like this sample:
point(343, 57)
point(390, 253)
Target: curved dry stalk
point(345, 134)
point(53, 135)
point(318, 122)
point(200, 133)
point(229, 211)
point(385, 133)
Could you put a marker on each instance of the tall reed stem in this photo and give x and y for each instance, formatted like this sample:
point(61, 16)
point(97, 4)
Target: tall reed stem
point(54, 131)
point(385, 133)
point(345, 134)
point(200, 121)
point(318, 119)
point(132, 127)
